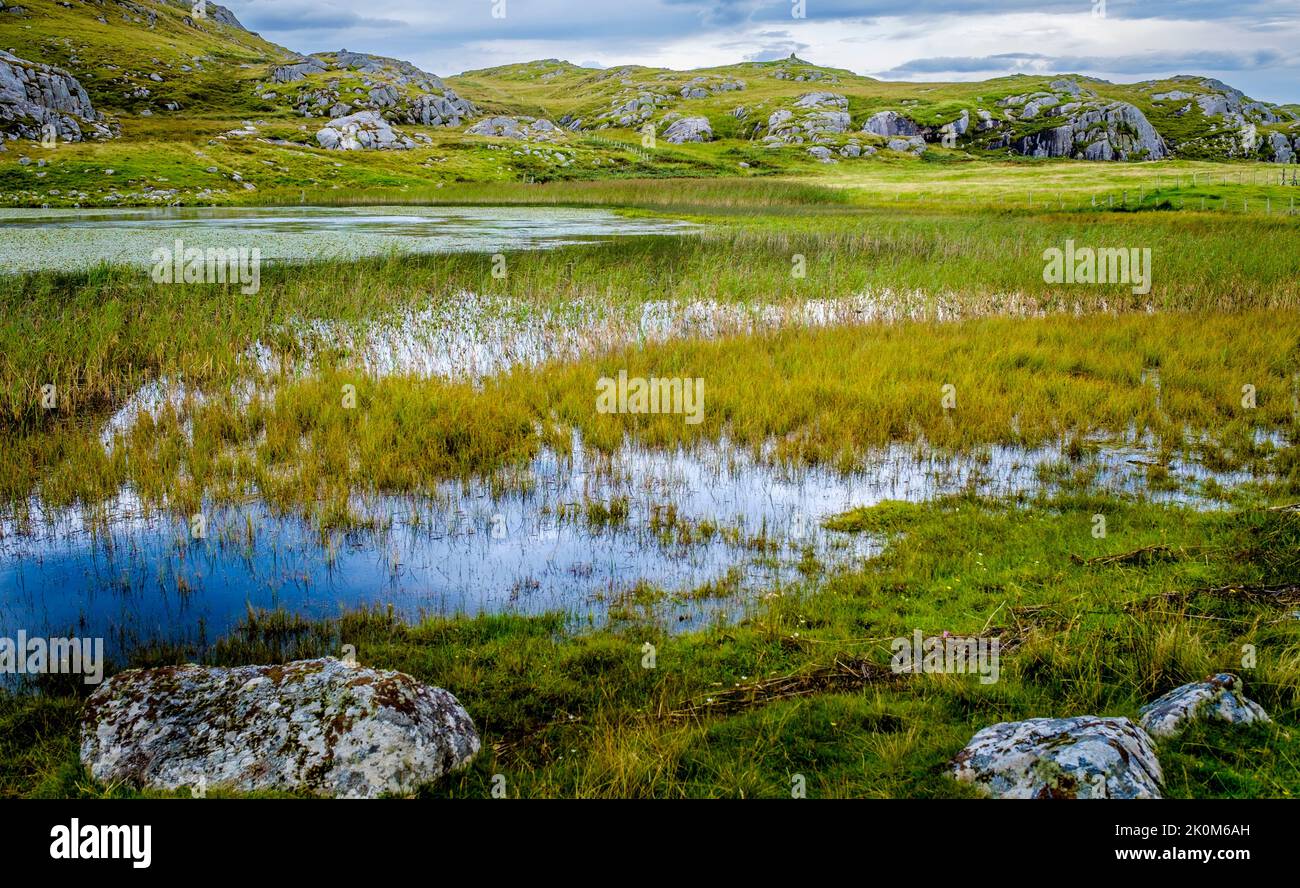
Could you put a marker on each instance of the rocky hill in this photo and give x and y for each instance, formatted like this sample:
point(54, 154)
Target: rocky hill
point(157, 72)
point(794, 103)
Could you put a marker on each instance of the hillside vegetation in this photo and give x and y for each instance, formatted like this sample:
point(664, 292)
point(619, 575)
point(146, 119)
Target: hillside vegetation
point(202, 111)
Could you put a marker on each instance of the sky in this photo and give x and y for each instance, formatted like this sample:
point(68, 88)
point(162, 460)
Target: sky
point(1253, 45)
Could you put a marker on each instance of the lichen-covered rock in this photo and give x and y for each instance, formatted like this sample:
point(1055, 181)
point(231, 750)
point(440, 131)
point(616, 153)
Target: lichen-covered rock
point(689, 129)
point(523, 128)
point(914, 145)
point(401, 90)
point(365, 129)
point(1218, 698)
point(319, 725)
point(1085, 757)
point(37, 101)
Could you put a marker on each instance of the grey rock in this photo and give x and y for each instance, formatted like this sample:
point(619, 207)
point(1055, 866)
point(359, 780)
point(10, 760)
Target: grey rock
point(689, 129)
point(363, 130)
point(913, 145)
point(822, 114)
point(1032, 107)
point(891, 123)
point(1082, 757)
point(1218, 698)
point(524, 128)
point(35, 96)
point(822, 100)
point(1283, 152)
point(1117, 131)
point(298, 70)
point(318, 725)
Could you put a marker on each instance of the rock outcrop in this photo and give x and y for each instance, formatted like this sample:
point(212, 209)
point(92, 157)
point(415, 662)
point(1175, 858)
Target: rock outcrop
point(689, 129)
point(814, 117)
point(889, 124)
point(37, 101)
point(1116, 131)
point(1218, 698)
point(1085, 757)
point(297, 70)
point(1283, 149)
point(365, 129)
point(524, 128)
point(398, 88)
point(914, 145)
point(317, 725)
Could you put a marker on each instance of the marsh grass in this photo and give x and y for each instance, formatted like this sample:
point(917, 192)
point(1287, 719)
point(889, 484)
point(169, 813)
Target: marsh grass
point(99, 335)
point(575, 714)
point(830, 397)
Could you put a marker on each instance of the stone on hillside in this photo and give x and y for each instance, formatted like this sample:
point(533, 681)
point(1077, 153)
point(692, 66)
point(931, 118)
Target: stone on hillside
point(298, 70)
point(318, 725)
point(822, 100)
point(527, 128)
point(1118, 131)
point(891, 123)
point(957, 127)
point(914, 145)
point(689, 129)
point(1282, 149)
point(363, 130)
point(1085, 757)
point(39, 100)
point(1218, 698)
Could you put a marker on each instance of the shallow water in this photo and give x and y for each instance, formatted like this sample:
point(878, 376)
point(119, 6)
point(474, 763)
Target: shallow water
point(132, 577)
point(37, 240)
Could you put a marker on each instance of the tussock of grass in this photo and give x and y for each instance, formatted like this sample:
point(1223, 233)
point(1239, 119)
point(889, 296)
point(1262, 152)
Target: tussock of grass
point(831, 397)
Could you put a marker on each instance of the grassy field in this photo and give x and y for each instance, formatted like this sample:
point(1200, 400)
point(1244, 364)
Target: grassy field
point(800, 685)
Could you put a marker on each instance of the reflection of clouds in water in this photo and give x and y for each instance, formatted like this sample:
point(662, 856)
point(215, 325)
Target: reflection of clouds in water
point(35, 240)
point(471, 336)
point(118, 571)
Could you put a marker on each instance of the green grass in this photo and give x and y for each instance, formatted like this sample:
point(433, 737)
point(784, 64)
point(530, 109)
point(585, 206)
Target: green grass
point(1225, 292)
point(565, 714)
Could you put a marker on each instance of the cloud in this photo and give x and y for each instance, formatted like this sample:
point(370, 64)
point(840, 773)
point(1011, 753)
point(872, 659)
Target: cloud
point(1136, 64)
point(286, 16)
point(773, 51)
point(906, 39)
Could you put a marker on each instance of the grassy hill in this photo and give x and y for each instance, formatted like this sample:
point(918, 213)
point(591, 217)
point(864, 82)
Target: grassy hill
point(210, 113)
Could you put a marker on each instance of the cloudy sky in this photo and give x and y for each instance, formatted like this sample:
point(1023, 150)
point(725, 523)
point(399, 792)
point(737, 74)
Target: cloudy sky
point(1251, 44)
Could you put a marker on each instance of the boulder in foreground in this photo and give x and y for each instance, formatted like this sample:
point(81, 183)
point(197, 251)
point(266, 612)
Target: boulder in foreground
point(319, 725)
point(1085, 757)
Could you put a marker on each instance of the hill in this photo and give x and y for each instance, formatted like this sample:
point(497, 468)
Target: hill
point(143, 101)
